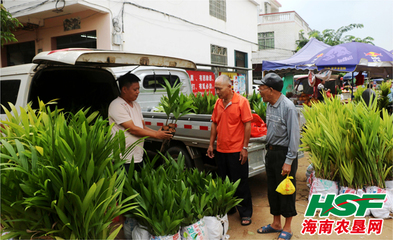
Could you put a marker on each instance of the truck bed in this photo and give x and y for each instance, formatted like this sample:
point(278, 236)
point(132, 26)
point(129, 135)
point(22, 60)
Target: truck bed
point(192, 129)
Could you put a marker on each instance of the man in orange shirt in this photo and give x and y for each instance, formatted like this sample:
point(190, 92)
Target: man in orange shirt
point(232, 127)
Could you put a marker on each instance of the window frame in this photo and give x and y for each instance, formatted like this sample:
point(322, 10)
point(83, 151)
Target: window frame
point(263, 37)
point(217, 52)
point(217, 8)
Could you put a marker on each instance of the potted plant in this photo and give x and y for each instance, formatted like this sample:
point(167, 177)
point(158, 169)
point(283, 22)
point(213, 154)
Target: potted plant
point(158, 206)
point(204, 104)
point(175, 104)
point(349, 143)
point(61, 175)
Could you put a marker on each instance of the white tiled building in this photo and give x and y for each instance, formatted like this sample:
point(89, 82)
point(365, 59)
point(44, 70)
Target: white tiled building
point(221, 32)
point(277, 34)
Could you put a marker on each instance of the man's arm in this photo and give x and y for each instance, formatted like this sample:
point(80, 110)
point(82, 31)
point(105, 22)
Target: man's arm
point(247, 134)
point(213, 136)
point(293, 132)
point(142, 132)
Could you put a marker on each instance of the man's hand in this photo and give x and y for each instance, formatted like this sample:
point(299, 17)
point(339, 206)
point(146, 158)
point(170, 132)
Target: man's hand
point(210, 153)
point(163, 134)
point(286, 169)
point(243, 156)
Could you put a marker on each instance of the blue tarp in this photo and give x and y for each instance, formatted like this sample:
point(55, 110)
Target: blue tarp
point(302, 56)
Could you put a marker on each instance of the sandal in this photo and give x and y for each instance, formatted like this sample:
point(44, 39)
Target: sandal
point(244, 219)
point(285, 235)
point(268, 229)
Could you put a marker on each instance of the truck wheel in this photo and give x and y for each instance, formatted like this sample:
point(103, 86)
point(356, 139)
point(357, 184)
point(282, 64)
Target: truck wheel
point(174, 152)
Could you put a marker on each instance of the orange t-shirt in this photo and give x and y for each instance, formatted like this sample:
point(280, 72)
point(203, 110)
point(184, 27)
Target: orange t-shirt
point(230, 123)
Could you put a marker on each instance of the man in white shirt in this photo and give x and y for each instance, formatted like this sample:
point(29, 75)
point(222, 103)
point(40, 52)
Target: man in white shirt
point(126, 113)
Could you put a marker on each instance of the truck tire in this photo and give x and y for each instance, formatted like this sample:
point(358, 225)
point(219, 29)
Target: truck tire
point(174, 152)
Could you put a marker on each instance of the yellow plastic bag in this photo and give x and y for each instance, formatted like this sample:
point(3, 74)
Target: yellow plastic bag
point(286, 187)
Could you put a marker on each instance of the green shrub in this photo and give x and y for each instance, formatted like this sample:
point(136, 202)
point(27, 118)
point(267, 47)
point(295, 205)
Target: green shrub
point(61, 175)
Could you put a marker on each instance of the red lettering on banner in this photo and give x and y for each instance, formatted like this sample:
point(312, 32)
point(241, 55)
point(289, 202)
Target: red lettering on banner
point(147, 123)
point(204, 128)
point(202, 81)
point(359, 226)
point(375, 225)
point(321, 227)
point(325, 226)
point(342, 226)
point(160, 124)
point(309, 226)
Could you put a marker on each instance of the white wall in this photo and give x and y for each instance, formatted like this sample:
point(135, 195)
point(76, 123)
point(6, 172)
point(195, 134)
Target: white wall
point(178, 28)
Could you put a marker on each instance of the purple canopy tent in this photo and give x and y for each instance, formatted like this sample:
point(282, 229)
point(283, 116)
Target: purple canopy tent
point(297, 61)
point(355, 56)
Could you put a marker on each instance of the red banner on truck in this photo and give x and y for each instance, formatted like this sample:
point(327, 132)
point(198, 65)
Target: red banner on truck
point(202, 81)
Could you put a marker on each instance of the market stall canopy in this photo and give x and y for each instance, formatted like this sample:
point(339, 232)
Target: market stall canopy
point(349, 75)
point(348, 57)
point(298, 59)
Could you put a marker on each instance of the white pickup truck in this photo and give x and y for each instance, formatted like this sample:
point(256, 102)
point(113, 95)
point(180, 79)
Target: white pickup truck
point(86, 78)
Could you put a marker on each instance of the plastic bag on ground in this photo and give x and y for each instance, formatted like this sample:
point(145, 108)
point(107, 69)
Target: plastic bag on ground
point(168, 237)
point(384, 212)
point(344, 190)
point(389, 191)
point(309, 170)
point(139, 233)
point(129, 226)
point(323, 187)
point(217, 227)
point(196, 231)
point(360, 193)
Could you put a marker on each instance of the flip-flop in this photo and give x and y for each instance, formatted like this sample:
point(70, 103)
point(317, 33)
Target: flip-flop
point(267, 229)
point(285, 235)
point(245, 219)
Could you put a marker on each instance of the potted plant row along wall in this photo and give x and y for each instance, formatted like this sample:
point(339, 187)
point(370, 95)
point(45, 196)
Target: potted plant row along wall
point(173, 201)
point(200, 104)
point(349, 143)
point(60, 175)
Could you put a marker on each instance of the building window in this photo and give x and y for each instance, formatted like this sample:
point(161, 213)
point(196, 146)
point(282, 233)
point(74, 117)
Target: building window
point(240, 59)
point(9, 93)
point(218, 55)
point(20, 53)
point(266, 8)
point(266, 40)
point(80, 40)
point(218, 9)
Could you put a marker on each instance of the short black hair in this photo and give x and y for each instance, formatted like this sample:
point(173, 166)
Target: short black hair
point(127, 79)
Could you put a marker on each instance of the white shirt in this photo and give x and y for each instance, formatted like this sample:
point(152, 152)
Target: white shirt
point(120, 112)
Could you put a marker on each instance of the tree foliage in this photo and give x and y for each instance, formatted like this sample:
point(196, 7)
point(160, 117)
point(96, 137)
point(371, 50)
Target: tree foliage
point(8, 24)
point(333, 37)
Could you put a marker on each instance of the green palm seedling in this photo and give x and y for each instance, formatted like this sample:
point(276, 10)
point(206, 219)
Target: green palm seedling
point(158, 196)
point(254, 98)
point(61, 175)
point(204, 104)
point(175, 104)
point(260, 109)
point(222, 197)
